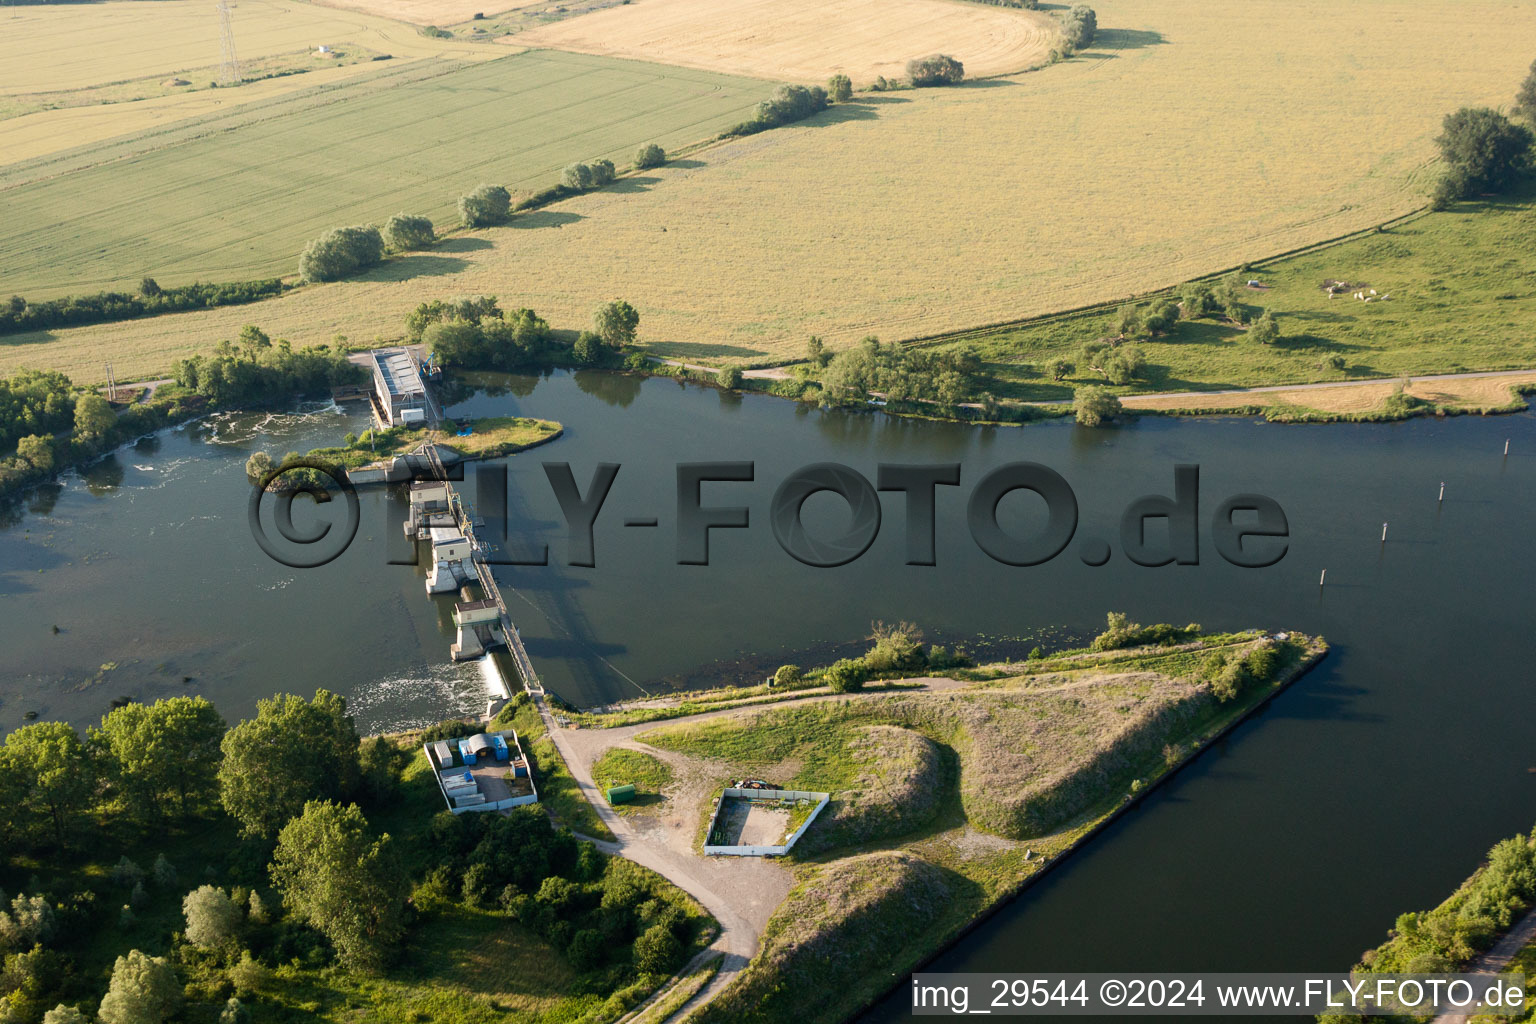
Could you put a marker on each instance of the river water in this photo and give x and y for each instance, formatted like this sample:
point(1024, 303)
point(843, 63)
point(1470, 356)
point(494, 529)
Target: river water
point(1370, 787)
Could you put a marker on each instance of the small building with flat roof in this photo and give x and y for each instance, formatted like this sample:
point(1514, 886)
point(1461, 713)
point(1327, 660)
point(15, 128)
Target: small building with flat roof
point(400, 394)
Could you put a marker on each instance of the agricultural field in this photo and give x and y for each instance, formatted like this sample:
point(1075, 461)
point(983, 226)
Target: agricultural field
point(911, 213)
point(81, 61)
point(239, 197)
point(807, 40)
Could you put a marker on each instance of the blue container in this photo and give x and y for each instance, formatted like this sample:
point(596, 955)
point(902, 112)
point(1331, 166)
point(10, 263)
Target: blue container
point(502, 753)
point(464, 752)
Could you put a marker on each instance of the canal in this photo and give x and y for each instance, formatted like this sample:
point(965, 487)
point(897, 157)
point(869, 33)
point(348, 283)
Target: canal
point(1371, 787)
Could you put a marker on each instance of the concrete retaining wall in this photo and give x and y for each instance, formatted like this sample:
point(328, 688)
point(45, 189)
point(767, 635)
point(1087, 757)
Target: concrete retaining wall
point(763, 794)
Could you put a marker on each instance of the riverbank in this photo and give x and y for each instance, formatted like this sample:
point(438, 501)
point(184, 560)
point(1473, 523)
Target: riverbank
point(385, 456)
point(986, 849)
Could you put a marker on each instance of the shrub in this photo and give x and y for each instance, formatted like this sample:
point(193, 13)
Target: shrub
point(940, 69)
point(591, 174)
point(730, 377)
point(1058, 368)
point(1264, 330)
point(485, 206)
point(587, 950)
point(787, 104)
point(588, 348)
point(846, 676)
point(839, 88)
point(1093, 405)
point(37, 451)
point(787, 675)
point(143, 990)
point(29, 922)
point(1525, 99)
point(403, 232)
point(650, 155)
point(164, 872)
point(149, 287)
point(340, 252)
point(896, 648)
point(657, 950)
point(213, 919)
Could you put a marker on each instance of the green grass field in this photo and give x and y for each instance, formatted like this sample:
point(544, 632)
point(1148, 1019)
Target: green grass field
point(239, 196)
point(1462, 297)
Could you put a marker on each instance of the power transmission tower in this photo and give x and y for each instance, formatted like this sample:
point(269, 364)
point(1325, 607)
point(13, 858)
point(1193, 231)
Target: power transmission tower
point(229, 64)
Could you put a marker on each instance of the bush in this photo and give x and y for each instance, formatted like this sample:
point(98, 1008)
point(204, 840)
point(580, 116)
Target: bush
point(143, 990)
point(213, 919)
point(839, 88)
point(340, 252)
point(730, 377)
point(657, 951)
point(940, 69)
point(403, 232)
point(1093, 405)
point(1265, 329)
point(588, 348)
point(591, 174)
point(587, 950)
point(485, 206)
point(897, 648)
point(846, 675)
point(649, 155)
point(787, 675)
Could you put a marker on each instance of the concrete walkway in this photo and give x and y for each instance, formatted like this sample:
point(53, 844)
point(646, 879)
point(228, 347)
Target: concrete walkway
point(1498, 958)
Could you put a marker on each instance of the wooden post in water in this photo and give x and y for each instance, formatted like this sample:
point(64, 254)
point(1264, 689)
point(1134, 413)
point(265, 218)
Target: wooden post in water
point(1506, 446)
point(1383, 533)
point(1442, 491)
point(1321, 579)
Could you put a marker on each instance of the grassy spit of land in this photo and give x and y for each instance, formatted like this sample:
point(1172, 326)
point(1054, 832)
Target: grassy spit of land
point(950, 798)
point(490, 437)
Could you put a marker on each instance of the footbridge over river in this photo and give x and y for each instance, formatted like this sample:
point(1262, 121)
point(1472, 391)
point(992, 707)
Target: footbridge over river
point(437, 510)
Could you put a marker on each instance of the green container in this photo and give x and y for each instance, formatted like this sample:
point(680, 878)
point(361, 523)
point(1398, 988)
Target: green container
point(621, 794)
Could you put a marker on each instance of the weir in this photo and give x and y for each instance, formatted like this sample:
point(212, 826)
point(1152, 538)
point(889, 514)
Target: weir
point(437, 513)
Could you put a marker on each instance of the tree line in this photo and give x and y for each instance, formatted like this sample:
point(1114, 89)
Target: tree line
point(105, 307)
point(308, 882)
point(1483, 151)
point(476, 334)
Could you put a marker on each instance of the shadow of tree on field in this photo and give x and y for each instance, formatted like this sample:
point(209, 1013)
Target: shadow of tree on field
point(839, 113)
point(688, 352)
point(544, 219)
point(639, 183)
point(29, 338)
point(404, 268)
point(464, 243)
point(1126, 39)
point(686, 165)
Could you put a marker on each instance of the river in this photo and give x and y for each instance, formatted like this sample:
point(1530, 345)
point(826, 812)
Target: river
point(1370, 787)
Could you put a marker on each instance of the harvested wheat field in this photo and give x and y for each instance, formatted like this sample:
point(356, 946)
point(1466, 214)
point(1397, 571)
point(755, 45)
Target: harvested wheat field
point(1168, 150)
point(1469, 392)
point(426, 12)
point(807, 40)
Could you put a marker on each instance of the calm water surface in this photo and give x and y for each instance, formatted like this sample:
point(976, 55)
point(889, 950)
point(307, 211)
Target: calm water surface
point(1370, 787)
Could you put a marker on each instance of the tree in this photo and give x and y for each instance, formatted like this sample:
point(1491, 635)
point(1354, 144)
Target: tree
point(1525, 99)
point(730, 377)
point(1483, 151)
point(93, 415)
point(166, 749)
point(485, 206)
point(1117, 364)
point(258, 465)
point(455, 343)
point(657, 950)
point(164, 872)
point(846, 675)
point(37, 450)
point(577, 177)
point(144, 990)
point(1264, 330)
point(234, 1012)
point(588, 950)
point(149, 287)
point(789, 103)
point(817, 352)
point(1128, 321)
point(940, 69)
point(213, 919)
point(787, 675)
point(58, 777)
point(1058, 368)
point(64, 1014)
point(1093, 405)
point(839, 88)
point(403, 232)
point(615, 322)
point(1078, 27)
point(588, 348)
point(649, 155)
point(338, 879)
point(341, 252)
point(292, 752)
point(29, 922)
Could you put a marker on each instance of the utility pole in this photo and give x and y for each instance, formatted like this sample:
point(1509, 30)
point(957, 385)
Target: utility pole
point(229, 64)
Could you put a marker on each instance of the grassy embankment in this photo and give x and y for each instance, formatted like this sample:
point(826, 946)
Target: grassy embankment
point(946, 803)
point(460, 964)
point(1460, 300)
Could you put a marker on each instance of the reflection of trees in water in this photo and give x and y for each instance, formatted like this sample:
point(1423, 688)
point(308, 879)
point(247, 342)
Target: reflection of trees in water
point(461, 387)
point(104, 477)
point(613, 388)
point(149, 444)
point(43, 498)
